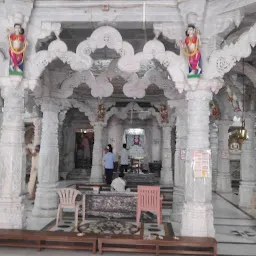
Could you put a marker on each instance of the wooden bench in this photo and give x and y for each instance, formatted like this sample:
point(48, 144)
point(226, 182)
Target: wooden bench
point(46, 239)
point(187, 245)
point(167, 245)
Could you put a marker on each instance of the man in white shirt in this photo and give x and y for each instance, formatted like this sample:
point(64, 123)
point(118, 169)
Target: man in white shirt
point(119, 184)
point(123, 159)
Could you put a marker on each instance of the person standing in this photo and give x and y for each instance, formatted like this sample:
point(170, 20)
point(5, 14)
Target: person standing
point(123, 159)
point(109, 160)
point(33, 172)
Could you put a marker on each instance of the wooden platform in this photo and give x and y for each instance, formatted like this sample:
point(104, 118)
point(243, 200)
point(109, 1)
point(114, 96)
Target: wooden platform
point(46, 239)
point(114, 243)
point(167, 245)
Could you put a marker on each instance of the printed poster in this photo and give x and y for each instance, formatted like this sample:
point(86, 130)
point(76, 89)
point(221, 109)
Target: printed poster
point(201, 163)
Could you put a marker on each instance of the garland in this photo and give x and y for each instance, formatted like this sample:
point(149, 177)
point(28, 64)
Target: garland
point(185, 51)
point(17, 52)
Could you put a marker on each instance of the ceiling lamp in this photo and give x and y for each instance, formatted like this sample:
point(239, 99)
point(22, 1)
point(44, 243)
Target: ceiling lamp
point(239, 132)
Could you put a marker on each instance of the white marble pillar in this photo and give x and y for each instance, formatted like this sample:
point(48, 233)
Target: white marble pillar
point(179, 164)
point(1, 113)
point(248, 171)
point(12, 155)
point(156, 145)
point(223, 176)
point(166, 175)
point(214, 151)
point(97, 168)
point(197, 214)
point(62, 173)
point(46, 201)
point(69, 148)
point(115, 135)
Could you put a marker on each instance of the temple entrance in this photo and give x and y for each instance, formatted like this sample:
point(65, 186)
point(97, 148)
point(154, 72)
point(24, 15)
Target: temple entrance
point(83, 148)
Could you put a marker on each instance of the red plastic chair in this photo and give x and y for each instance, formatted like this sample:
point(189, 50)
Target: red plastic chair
point(149, 199)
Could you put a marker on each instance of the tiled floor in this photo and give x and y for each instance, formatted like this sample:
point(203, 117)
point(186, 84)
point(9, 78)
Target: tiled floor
point(235, 230)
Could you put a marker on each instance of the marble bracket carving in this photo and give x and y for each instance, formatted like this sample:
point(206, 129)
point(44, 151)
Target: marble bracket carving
point(222, 61)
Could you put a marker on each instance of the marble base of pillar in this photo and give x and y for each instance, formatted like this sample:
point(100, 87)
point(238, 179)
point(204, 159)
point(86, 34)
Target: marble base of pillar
point(96, 174)
point(166, 176)
point(197, 220)
point(214, 179)
point(177, 204)
point(223, 183)
point(12, 212)
point(245, 193)
point(46, 203)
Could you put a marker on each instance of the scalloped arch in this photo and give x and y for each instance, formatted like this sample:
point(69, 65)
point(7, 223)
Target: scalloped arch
point(154, 49)
point(81, 60)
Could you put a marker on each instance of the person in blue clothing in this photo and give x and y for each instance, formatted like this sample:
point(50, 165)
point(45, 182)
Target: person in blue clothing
point(109, 160)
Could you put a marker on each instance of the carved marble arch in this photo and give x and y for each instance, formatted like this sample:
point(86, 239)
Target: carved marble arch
point(154, 49)
point(37, 62)
point(84, 108)
point(222, 61)
point(123, 112)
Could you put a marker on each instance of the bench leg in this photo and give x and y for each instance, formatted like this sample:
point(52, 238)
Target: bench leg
point(100, 246)
point(94, 247)
point(215, 250)
point(157, 250)
point(39, 246)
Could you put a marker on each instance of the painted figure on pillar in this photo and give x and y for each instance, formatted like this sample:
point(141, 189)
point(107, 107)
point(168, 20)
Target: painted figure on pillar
point(164, 114)
point(101, 112)
point(17, 42)
point(235, 97)
point(191, 49)
point(215, 111)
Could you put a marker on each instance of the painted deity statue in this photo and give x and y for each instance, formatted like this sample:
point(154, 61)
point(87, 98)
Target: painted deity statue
point(191, 49)
point(17, 42)
point(136, 140)
point(235, 97)
point(164, 114)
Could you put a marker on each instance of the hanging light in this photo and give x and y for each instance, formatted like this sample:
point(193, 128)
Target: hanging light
point(239, 132)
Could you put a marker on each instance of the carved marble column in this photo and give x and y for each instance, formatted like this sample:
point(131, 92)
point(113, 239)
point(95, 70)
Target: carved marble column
point(1, 113)
point(62, 173)
point(115, 135)
point(156, 145)
point(12, 155)
point(97, 168)
point(179, 165)
point(69, 148)
point(223, 176)
point(248, 172)
point(46, 201)
point(197, 214)
point(214, 151)
point(166, 171)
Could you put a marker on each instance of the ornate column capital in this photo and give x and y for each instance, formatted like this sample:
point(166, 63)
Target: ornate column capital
point(223, 122)
point(204, 95)
point(98, 124)
point(10, 82)
point(53, 104)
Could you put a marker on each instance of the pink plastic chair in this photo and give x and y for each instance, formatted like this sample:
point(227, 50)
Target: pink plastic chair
point(149, 199)
point(68, 200)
